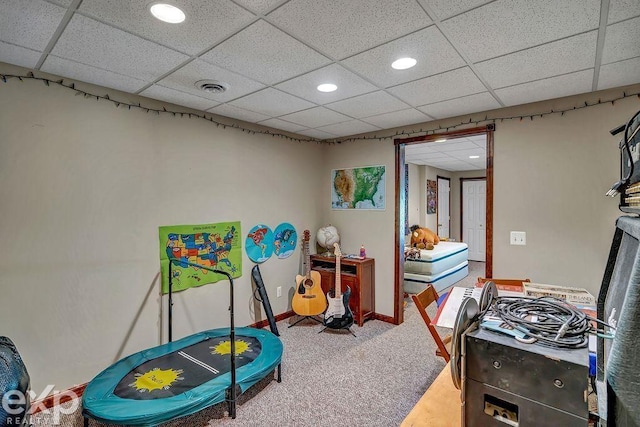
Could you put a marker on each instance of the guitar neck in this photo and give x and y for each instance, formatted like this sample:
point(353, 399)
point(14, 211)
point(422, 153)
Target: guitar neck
point(307, 259)
point(338, 285)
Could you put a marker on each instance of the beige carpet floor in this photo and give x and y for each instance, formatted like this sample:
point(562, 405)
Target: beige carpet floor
point(332, 378)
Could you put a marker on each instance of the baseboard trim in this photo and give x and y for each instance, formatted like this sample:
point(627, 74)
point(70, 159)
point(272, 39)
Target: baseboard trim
point(57, 398)
point(262, 323)
point(384, 318)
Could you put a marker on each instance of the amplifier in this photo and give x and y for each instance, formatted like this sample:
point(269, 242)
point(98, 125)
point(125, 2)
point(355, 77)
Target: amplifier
point(509, 383)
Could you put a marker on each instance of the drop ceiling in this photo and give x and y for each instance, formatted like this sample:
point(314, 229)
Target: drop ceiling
point(452, 155)
point(473, 55)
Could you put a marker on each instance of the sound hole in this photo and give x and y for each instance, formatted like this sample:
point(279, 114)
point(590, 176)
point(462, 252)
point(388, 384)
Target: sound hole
point(308, 283)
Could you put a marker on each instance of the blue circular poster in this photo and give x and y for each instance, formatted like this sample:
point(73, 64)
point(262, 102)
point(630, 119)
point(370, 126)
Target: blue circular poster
point(285, 240)
point(259, 243)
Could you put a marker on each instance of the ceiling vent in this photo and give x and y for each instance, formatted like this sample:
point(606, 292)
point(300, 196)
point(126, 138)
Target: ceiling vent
point(212, 86)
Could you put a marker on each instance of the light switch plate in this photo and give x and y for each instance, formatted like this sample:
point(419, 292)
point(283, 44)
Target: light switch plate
point(518, 238)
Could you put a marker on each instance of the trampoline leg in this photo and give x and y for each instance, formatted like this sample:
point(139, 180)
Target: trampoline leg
point(279, 374)
point(231, 399)
point(86, 421)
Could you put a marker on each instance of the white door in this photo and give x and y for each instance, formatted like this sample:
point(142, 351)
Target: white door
point(474, 206)
point(443, 207)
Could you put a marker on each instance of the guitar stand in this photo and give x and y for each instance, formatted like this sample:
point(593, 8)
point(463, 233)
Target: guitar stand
point(305, 317)
point(348, 329)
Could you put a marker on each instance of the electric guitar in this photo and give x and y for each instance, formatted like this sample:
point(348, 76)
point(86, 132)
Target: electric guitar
point(308, 299)
point(338, 314)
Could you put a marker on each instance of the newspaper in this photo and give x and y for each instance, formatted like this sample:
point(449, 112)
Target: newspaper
point(575, 296)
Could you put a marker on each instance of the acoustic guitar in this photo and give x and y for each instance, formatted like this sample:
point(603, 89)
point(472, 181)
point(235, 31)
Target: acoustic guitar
point(338, 314)
point(308, 299)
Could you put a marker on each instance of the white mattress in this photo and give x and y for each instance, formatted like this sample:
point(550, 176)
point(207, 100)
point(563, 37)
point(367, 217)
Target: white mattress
point(415, 283)
point(444, 256)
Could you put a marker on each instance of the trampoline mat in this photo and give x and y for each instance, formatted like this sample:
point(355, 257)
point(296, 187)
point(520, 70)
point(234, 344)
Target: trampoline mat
point(182, 370)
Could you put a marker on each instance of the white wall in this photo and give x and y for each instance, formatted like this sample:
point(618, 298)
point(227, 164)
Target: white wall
point(84, 187)
point(415, 211)
point(373, 228)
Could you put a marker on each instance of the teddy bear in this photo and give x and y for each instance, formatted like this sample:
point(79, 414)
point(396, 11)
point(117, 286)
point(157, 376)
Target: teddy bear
point(423, 238)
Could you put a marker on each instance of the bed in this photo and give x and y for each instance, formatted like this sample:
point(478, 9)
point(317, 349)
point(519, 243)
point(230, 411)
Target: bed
point(443, 266)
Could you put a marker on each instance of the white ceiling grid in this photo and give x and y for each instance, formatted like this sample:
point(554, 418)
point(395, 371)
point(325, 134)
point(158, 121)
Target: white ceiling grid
point(473, 55)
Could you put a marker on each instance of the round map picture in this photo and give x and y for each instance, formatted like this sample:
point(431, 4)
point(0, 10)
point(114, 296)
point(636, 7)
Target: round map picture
point(259, 243)
point(285, 240)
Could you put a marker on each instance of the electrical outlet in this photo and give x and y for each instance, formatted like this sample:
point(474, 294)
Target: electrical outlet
point(279, 291)
point(518, 238)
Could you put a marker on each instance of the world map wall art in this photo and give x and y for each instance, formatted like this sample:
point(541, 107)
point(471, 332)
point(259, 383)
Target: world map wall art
point(358, 188)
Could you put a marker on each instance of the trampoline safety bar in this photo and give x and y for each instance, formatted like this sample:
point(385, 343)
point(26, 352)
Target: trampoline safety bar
point(231, 391)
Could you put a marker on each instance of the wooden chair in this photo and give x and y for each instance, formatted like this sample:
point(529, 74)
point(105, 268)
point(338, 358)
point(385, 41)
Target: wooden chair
point(423, 300)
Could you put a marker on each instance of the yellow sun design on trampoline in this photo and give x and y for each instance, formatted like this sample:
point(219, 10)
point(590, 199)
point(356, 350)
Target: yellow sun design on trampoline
point(156, 379)
point(225, 347)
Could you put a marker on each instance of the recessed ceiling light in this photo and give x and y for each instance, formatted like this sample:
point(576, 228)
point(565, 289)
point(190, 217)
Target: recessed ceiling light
point(167, 13)
point(327, 87)
point(474, 157)
point(403, 63)
point(441, 140)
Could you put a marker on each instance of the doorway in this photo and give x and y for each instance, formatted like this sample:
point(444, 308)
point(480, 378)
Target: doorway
point(401, 206)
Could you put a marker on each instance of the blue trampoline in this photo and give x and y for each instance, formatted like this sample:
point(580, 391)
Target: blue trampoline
point(180, 378)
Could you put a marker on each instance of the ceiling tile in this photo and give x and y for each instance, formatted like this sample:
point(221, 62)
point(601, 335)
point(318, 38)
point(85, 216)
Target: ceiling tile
point(622, 9)
point(453, 145)
point(315, 117)
point(265, 53)
point(342, 28)
point(554, 87)
point(186, 77)
point(176, 97)
point(552, 59)
point(465, 105)
point(506, 26)
point(306, 85)
point(449, 85)
point(418, 149)
point(447, 8)
point(207, 22)
point(18, 55)
point(237, 113)
point(317, 134)
point(259, 6)
point(431, 156)
point(619, 74)
point(352, 127)
point(464, 154)
point(96, 44)
point(272, 102)
point(282, 124)
point(429, 47)
point(87, 73)
point(622, 41)
point(29, 23)
point(370, 104)
point(397, 118)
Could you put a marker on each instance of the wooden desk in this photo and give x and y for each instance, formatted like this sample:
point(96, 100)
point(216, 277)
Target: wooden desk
point(439, 406)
